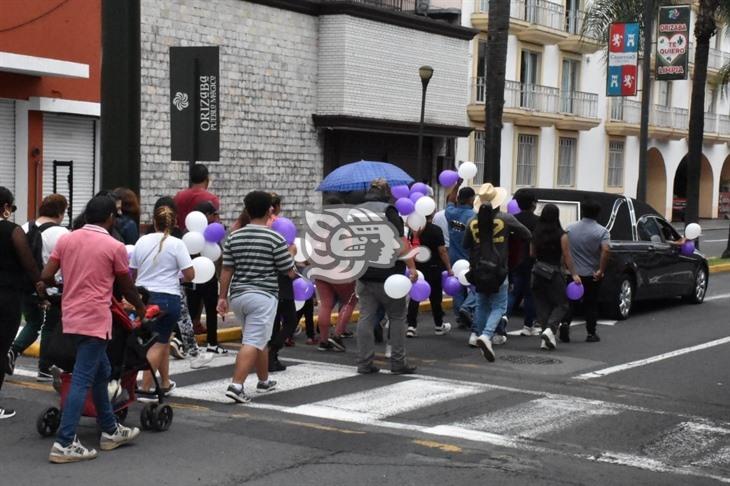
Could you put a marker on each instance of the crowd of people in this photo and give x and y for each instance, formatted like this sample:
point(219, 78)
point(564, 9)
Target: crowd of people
point(65, 280)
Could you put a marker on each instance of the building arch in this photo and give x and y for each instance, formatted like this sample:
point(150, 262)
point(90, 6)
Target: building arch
point(706, 189)
point(656, 181)
point(723, 210)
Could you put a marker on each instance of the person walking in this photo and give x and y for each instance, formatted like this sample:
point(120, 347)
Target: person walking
point(371, 292)
point(18, 272)
point(91, 261)
point(432, 238)
point(157, 261)
point(253, 257)
point(589, 247)
point(551, 250)
point(198, 192)
point(328, 294)
point(490, 221)
point(127, 223)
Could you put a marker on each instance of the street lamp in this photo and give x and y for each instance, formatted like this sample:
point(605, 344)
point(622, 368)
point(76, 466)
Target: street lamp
point(425, 72)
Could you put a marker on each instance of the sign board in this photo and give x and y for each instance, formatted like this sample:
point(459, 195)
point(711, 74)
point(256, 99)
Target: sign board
point(672, 43)
point(194, 103)
point(623, 59)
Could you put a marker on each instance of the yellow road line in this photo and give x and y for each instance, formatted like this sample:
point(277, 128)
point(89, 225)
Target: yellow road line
point(324, 427)
point(438, 445)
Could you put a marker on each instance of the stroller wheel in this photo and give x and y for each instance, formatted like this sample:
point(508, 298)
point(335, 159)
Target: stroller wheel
point(145, 417)
point(48, 421)
point(121, 414)
point(162, 418)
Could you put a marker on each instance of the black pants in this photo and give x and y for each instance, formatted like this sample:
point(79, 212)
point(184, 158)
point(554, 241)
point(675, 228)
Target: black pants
point(308, 313)
point(590, 302)
point(10, 311)
point(433, 277)
point(550, 300)
point(200, 295)
point(284, 325)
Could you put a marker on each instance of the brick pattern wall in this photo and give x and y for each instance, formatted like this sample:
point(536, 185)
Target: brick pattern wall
point(268, 78)
point(370, 69)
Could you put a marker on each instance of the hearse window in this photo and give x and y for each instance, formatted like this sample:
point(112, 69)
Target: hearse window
point(648, 230)
point(667, 230)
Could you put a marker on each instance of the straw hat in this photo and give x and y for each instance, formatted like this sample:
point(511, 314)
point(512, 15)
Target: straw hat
point(487, 193)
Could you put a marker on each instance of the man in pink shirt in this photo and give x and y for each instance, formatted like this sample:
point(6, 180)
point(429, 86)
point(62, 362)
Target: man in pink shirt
point(91, 261)
point(198, 192)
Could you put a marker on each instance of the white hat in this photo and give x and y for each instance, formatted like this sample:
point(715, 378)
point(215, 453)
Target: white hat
point(487, 193)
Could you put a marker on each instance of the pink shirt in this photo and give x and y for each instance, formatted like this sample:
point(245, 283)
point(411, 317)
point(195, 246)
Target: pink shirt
point(90, 259)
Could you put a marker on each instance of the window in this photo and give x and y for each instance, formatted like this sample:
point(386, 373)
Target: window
point(526, 160)
point(479, 141)
point(566, 161)
point(572, 23)
point(667, 230)
point(615, 164)
point(663, 93)
point(529, 73)
point(481, 71)
point(648, 230)
point(569, 84)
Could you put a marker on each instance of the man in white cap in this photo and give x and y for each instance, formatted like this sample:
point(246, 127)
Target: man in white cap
point(491, 303)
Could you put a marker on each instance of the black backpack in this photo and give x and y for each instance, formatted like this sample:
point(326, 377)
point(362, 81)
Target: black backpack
point(35, 240)
point(488, 268)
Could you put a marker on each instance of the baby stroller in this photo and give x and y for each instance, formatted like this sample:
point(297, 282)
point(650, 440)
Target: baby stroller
point(127, 353)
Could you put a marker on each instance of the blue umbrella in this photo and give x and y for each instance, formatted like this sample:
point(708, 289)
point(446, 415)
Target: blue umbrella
point(357, 176)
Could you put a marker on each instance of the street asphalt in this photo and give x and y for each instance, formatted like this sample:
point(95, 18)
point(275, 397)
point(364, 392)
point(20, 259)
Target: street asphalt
point(646, 405)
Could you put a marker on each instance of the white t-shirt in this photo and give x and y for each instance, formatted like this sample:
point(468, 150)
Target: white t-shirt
point(50, 237)
point(160, 272)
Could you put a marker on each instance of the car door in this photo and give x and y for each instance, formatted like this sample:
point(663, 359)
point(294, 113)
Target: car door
point(652, 257)
point(679, 270)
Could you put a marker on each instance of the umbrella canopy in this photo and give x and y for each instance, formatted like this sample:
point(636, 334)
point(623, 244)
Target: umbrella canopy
point(357, 176)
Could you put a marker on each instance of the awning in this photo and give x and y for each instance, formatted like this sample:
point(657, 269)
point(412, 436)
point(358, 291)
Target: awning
point(346, 122)
point(41, 66)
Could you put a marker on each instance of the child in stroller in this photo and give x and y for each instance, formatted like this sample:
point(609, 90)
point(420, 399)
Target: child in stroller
point(127, 351)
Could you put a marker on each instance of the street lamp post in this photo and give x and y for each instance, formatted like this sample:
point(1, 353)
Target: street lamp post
point(425, 72)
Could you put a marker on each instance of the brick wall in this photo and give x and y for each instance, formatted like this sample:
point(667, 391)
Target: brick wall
point(268, 77)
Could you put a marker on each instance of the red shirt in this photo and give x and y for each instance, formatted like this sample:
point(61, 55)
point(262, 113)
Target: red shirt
point(189, 198)
point(90, 260)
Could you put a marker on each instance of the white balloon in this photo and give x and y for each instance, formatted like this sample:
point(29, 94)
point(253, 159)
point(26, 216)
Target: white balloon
point(423, 255)
point(194, 242)
point(692, 231)
point(421, 276)
point(204, 269)
point(397, 286)
point(467, 170)
point(53, 234)
point(462, 278)
point(303, 252)
point(211, 250)
point(416, 221)
point(196, 222)
point(130, 250)
point(425, 206)
point(460, 265)
point(299, 304)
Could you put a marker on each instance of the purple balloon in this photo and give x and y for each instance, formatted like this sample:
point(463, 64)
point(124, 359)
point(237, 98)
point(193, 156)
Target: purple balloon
point(574, 291)
point(513, 207)
point(452, 286)
point(214, 232)
point(419, 187)
point(444, 276)
point(420, 290)
point(687, 248)
point(415, 196)
point(448, 178)
point(303, 289)
point(405, 206)
point(399, 192)
point(285, 228)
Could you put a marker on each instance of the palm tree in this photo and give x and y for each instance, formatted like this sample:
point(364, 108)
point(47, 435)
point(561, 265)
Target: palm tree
point(497, 36)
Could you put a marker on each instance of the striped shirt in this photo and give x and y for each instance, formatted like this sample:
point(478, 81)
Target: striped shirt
point(257, 255)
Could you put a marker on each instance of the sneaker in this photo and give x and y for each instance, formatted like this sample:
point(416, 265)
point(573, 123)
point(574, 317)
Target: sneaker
point(388, 351)
point(564, 333)
point(216, 350)
point(275, 365)
point(337, 344)
point(548, 337)
point(529, 331)
point(403, 370)
point(123, 435)
point(499, 339)
point(169, 389)
point(235, 393)
point(56, 374)
point(44, 376)
point(10, 363)
point(74, 452)
point(473, 340)
point(543, 345)
point(6, 413)
point(370, 369)
point(592, 338)
point(176, 349)
point(443, 329)
point(411, 332)
point(485, 345)
point(466, 320)
point(347, 335)
point(265, 386)
point(201, 360)
point(503, 323)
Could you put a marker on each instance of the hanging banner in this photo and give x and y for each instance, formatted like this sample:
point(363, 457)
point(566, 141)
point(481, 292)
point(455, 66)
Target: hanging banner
point(194, 116)
point(623, 59)
point(672, 43)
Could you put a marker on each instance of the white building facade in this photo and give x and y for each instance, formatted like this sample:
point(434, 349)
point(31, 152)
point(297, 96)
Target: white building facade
point(560, 129)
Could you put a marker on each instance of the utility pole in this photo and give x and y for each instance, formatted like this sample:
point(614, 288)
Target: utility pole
point(645, 99)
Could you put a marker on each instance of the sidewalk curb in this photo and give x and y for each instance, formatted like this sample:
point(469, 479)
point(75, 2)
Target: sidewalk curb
point(720, 268)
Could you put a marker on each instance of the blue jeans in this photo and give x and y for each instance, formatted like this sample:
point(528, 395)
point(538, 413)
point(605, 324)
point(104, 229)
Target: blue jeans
point(490, 309)
point(92, 369)
point(170, 307)
point(465, 300)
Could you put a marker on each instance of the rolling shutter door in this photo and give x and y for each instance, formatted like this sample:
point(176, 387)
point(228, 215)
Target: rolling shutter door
point(69, 146)
point(7, 144)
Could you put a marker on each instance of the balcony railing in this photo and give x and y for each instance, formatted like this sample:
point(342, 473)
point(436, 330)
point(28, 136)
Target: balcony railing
point(680, 119)
point(716, 58)
point(626, 111)
point(398, 5)
point(516, 10)
point(578, 103)
point(723, 125)
point(710, 123)
point(547, 14)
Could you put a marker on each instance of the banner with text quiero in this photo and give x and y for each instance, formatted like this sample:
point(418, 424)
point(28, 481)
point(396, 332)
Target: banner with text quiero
point(623, 59)
point(672, 43)
point(194, 103)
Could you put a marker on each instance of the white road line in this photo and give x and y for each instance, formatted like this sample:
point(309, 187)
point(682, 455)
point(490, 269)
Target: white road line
point(717, 297)
point(653, 359)
point(713, 241)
